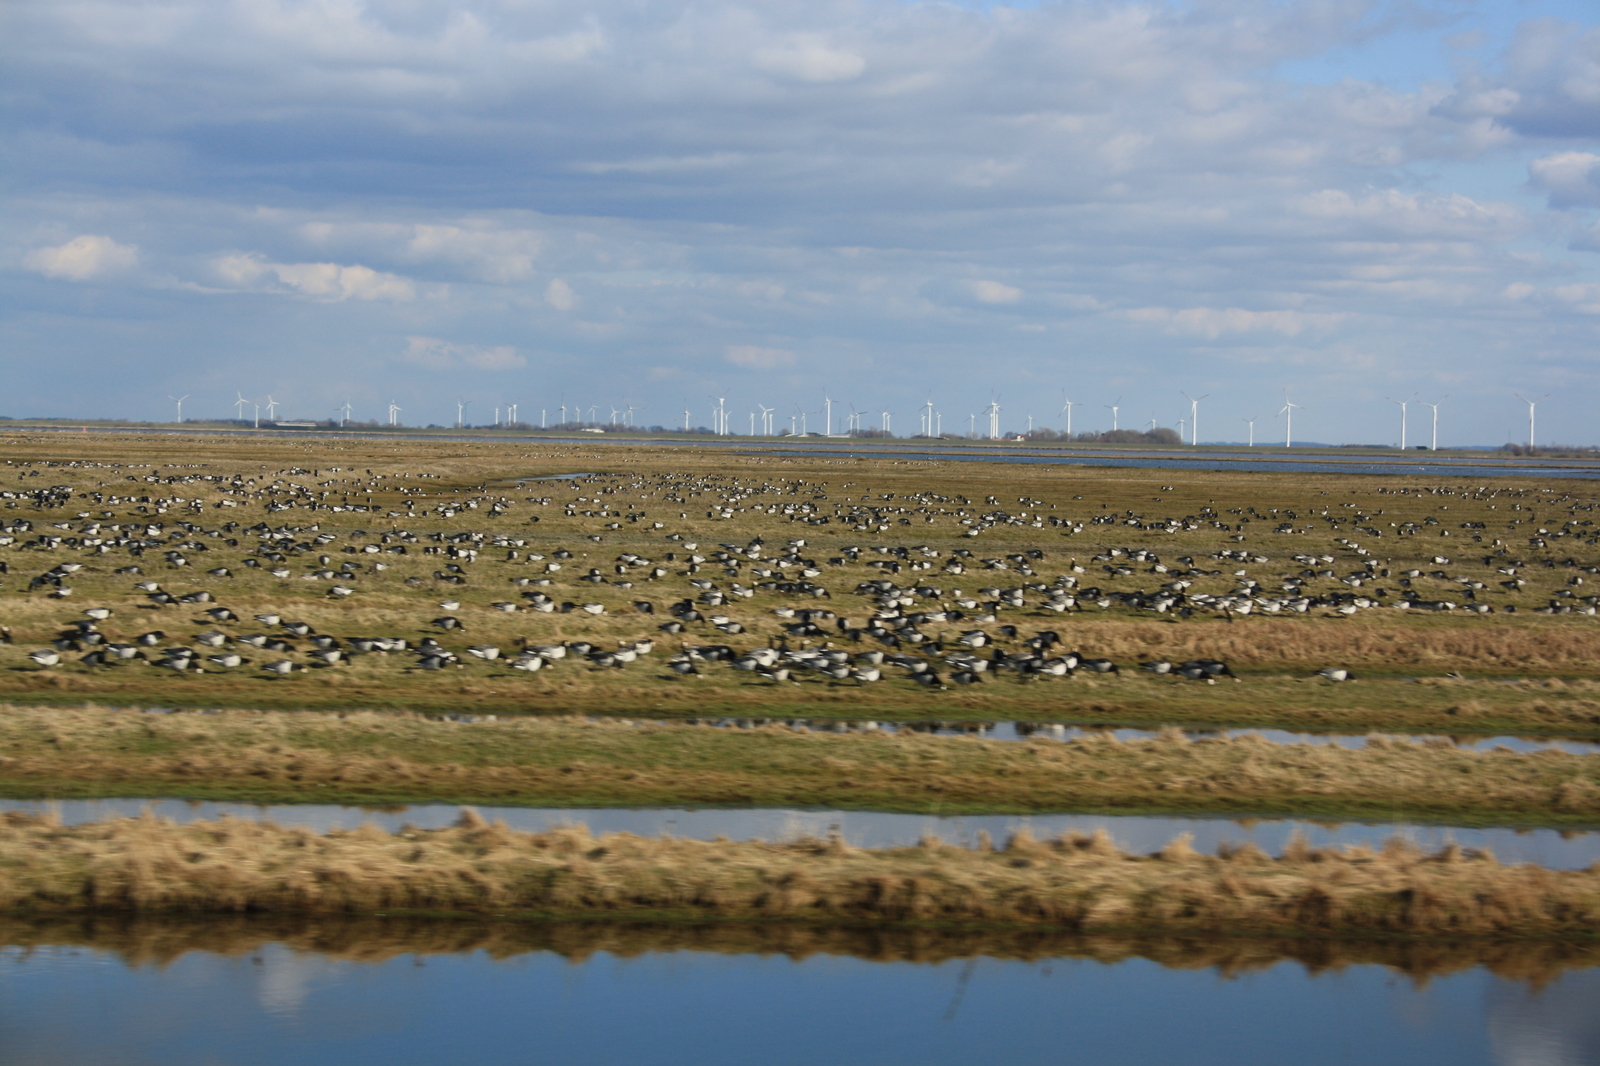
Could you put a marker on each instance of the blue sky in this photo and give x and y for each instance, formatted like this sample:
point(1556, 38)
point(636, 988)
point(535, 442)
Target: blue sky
point(610, 203)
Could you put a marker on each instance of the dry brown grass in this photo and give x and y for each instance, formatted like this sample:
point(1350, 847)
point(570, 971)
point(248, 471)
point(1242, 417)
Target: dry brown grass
point(1076, 882)
point(377, 757)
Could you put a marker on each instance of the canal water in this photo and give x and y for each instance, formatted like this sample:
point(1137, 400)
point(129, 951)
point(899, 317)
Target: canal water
point(297, 1000)
point(1140, 834)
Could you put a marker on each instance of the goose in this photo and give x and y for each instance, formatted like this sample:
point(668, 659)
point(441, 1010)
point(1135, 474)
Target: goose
point(45, 657)
point(528, 662)
point(487, 652)
point(212, 638)
point(451, 605)
point(221, 614)
point(328, 656)
point(323, 640)
point(227, 660)
point(868, 673)
point(1336, 673)
point(280, 572)
point(94, 658)
point(1158, 667)
point(220, 571)
point(147, 586)
point(150, 639)
point(98, 614)
point(1213, 667)
point(448, 622)
point(282, 667)
point(502, 605)
point(1100, 666)
point(340, 591)
point(682, 665)
point(123, 651)
point(299, 629)
point(593, 608)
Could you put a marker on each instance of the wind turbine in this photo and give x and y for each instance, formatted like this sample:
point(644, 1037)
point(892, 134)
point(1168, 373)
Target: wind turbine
point(766, 419)
point(994, 420)
point(461, 407)
point(686, 420)
point(1194, 417)
point(344, 421)
point(272, 408)
point(927, 419)
point(1288, 422)
point(179, 401)
point(1252, 422)
point(1531, 405)
point(258, 414)
point(1402, 404)
point(1113, 408)
point(1435, 445)
point(827, 407)
point(241, 404)
point(886, 424)
point(394, 409)
point(1067, 406)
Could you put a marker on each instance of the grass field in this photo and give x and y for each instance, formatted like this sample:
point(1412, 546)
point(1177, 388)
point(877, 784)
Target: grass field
point(377, 758)
point(1131, 566)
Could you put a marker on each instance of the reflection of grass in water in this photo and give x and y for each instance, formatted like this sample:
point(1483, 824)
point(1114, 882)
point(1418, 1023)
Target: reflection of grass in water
point(371, 757)
point(1076, 882)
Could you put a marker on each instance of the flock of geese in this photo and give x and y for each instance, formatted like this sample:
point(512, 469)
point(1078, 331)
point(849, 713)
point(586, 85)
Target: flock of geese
point(1040, 656)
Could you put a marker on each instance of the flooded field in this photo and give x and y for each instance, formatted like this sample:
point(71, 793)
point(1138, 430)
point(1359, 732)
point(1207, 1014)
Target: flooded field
point(454, 992)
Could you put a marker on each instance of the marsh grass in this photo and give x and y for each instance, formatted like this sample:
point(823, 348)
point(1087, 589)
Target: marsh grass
point(1076, 882)
point(373, 757)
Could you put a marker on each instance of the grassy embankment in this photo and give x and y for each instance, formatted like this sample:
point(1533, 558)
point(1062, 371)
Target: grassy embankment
point(1077, 882)
point(373, 758)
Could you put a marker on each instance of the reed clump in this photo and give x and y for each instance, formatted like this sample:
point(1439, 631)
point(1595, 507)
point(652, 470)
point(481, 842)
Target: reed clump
point(1074, 882)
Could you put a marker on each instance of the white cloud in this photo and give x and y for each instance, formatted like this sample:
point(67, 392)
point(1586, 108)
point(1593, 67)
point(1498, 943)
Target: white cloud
point(559, 294)
point(1213, 323)
point(321, 281)
point(1571, 178)
point(810, 60)
point(82, 258)
point(435, 354)
point(994, 292)
point(753, 358)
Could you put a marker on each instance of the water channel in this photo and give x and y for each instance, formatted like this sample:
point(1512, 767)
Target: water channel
point(104, 993)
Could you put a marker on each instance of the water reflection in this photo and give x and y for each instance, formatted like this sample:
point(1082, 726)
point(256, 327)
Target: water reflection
point(269, 990)
point(1557, 849)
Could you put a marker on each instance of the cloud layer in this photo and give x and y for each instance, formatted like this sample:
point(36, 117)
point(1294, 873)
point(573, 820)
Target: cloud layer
point(649, 202)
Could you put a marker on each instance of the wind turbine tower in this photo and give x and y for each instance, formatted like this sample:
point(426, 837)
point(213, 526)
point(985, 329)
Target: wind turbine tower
point(179, 401)
point(1402, 404)
point(1433, 447)
point(1288, 422)
point(1194, 417)
point(994, 420)
point(1114, 408)
point(1531, 405)
point(1066, 407)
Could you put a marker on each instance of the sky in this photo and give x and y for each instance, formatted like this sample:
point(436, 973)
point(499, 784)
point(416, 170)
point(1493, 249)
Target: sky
point(615, 203)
